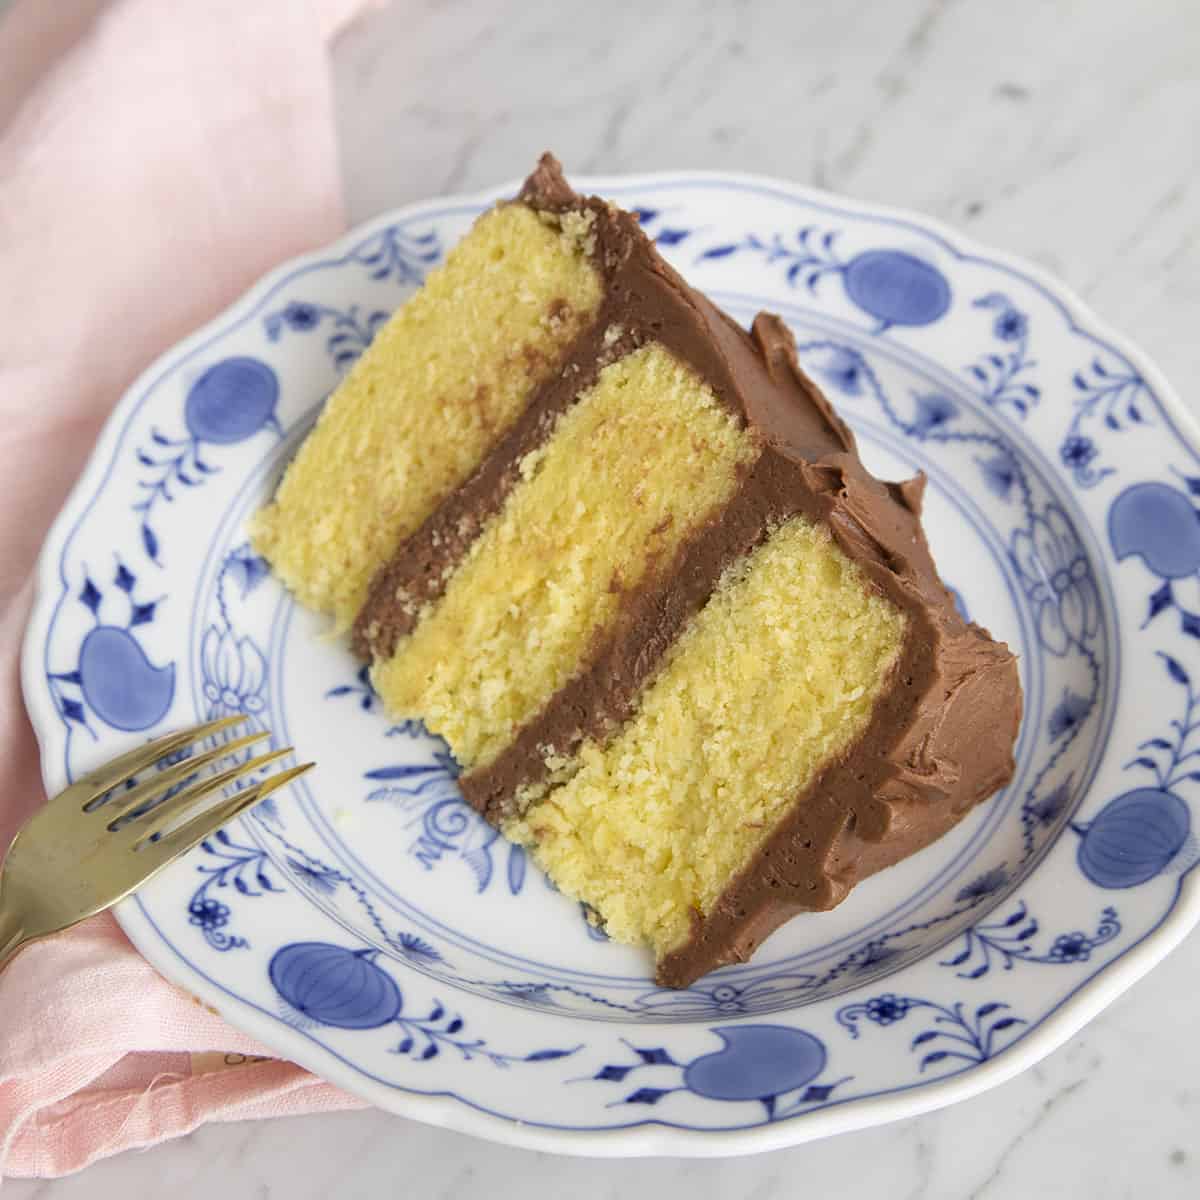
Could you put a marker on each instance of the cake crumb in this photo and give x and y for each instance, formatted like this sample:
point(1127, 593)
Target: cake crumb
point(579, 227)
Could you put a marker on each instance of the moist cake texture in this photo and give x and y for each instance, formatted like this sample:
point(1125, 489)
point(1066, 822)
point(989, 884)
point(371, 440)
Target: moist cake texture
point(416, 415)
point(547, 574)
point(644, 828)
point(623, 556)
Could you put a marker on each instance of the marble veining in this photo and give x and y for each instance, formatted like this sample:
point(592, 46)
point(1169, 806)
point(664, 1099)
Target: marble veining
point(1064, 133)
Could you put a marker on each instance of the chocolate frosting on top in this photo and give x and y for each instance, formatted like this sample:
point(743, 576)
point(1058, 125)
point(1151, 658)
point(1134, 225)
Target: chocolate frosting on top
point(941, 736)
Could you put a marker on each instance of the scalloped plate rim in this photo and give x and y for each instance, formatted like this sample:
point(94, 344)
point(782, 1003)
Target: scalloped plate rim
point(648, 1136)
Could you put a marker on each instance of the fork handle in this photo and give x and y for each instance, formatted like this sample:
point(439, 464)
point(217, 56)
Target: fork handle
point(12, 935)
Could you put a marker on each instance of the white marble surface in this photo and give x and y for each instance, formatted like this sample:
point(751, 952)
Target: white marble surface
point(1066, 132)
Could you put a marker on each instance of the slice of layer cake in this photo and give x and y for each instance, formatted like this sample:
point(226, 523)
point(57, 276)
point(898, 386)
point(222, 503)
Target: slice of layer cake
point(623, 556)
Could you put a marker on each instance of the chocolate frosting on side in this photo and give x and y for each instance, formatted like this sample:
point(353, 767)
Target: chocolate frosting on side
point(941, 736)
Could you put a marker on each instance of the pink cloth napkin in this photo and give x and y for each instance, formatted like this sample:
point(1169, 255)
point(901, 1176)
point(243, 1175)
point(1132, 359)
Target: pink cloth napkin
point(155, 159)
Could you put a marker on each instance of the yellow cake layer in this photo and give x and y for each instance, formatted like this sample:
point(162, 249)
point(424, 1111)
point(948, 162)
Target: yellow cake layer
point(443, 379)
point(643, 458)
point(775, 677)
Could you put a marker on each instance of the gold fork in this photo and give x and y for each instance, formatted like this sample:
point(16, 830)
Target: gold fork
point(104, 836)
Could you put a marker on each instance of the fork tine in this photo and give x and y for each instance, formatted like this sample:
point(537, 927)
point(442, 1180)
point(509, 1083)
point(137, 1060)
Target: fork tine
point(160, 817)
point(107, 777)
point(208, 822)
point(131, 801)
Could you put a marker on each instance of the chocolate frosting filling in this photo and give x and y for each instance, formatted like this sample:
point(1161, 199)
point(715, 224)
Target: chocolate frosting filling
point(941, 736)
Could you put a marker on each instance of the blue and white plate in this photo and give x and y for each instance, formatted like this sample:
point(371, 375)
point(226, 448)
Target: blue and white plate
point(369, 926)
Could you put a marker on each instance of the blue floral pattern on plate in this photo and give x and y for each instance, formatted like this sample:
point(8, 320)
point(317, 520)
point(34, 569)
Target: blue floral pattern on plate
point(367, 923)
